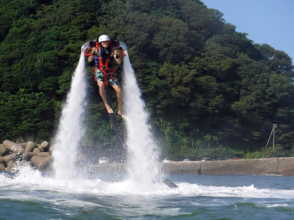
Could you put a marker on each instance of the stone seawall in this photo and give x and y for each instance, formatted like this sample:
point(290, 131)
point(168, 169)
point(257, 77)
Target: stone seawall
point(276, 166)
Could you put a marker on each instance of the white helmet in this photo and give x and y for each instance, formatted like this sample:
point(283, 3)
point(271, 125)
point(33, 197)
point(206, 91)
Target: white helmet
point(103, 38)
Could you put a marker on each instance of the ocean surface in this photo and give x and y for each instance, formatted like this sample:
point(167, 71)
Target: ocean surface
point(28, 194)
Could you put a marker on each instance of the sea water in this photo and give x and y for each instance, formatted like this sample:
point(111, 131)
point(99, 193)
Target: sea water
point(28, 194)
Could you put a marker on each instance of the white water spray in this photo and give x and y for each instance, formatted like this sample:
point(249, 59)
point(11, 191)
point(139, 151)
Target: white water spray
point(70, 130)
point(144, 167)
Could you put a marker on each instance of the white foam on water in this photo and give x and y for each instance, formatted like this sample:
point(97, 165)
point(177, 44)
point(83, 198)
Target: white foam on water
point(277, 205)
point(70, 129)
point(28, 179)
point(241, 191)
point(144, 168)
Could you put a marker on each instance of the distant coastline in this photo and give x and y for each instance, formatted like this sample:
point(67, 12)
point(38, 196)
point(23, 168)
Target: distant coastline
point(267, 166)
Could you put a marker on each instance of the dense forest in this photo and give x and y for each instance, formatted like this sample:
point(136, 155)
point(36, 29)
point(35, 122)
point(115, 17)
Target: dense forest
point(210, 90)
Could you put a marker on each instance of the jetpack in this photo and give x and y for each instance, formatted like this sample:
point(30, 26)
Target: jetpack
point(87, 45)
point(114, 44)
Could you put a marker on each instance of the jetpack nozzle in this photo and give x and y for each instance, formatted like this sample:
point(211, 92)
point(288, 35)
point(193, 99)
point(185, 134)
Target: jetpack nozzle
point(85, 46)
point(123, 45)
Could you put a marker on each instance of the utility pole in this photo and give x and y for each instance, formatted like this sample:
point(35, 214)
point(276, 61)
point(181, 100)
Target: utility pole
point(273, 132)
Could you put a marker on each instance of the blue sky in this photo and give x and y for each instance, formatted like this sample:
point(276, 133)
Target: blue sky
point(265, 21)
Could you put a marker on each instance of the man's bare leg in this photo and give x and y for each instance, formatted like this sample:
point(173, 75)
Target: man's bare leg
point(119, 99)
point(103, 96)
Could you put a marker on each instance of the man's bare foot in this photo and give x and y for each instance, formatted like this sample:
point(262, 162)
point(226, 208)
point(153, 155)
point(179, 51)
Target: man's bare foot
point(109, 110)
point(121, 114)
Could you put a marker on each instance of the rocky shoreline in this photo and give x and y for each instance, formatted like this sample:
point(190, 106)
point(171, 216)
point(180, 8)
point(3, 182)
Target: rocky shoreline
point(14, 154)
point(40, 156)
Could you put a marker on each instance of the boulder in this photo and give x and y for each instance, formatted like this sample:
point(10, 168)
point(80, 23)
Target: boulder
point(51, 149)
point(45, 146)
point(12, 164)
point(2, 149)
point(2, 160)
point(43, 154)
point(23, 145)
point(15, 148)
point(10, 157)
point(28, 155)
point(40, 147)
point(30, 147)
point(2, 167)
point(41, 162)
point(37, 150)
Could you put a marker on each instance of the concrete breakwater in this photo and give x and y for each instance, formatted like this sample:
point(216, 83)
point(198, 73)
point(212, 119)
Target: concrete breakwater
point(267, 166)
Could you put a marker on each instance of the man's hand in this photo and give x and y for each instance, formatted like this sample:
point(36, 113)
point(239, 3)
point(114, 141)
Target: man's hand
point(94, 51)
point(117, 57)
point(116, 54)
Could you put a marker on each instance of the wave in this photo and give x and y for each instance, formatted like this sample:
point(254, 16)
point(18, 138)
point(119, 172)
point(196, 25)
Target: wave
point(28, 179)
